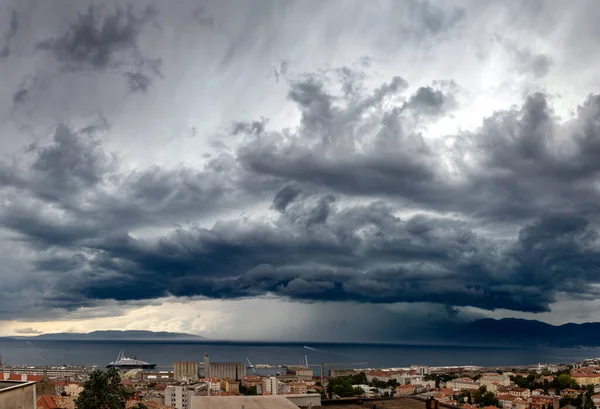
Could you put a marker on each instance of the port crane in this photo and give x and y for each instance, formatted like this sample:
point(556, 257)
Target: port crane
point(251, 366)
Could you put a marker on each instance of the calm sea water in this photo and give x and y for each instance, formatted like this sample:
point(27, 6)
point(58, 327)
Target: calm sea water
point(21, 352)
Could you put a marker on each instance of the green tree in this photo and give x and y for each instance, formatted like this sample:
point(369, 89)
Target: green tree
point(341, 386)
point(564, 381)
point(103, 390)
point(379, 384)
point(484, 398)
point(359, 379)
point(588, 403)
point(251, 391)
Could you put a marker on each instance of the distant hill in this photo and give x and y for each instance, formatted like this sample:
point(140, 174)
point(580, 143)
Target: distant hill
point(119, 335)
point(521, 332)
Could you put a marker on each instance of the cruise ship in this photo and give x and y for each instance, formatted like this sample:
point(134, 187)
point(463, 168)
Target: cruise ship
point(129, 363)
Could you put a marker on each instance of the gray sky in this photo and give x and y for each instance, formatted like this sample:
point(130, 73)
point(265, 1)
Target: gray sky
point(219, 167)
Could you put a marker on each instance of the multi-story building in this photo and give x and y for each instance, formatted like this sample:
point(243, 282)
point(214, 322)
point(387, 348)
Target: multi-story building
point(462, 384)
point(520, 403)
point(571, 393)
point(270, 385)
point(585, 376)
point(17, 395)
point(214, 384)
point(334, 373)
point(50, 372)
point(489, 378)
point(303, 374)
point(253, 381)
point(544, 402)
point(523, 393)
point(298, 387)
point(379, 375)
point(180, 396)
point(506, 401)
point(421, 369)
point(73, 389)
point(284, 388)
point(186, 371)
point(230, 386)
point(405, 390)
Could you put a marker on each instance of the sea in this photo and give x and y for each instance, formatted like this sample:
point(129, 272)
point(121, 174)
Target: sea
point(332, 355)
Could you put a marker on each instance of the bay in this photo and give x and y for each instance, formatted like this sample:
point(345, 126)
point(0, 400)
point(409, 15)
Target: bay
point(164, 353)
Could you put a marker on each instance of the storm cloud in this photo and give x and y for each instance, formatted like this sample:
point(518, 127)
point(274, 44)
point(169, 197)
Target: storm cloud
point(349, 178)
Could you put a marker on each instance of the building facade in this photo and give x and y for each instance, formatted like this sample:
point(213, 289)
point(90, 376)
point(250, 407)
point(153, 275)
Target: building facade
point(302, 373)
point(405, 390)
point(232, 370)
point(270, 385)
point(544, 402)
point(186, 371)
point(17, 395)
point(298, 388)
point(73, 389)
point(179, 396)
point(253, 381)
point(463, 384)
point(488, 379)
point(230, 386)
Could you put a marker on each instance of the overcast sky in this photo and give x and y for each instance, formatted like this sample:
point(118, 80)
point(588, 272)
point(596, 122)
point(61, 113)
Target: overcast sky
point(331, 170)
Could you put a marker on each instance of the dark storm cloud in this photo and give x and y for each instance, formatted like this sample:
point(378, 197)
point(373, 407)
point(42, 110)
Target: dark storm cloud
point(340, 183)
point(202, 17)
point(138, 82)
point(526, 59)
point(362, 254)
point(72, 163)
point(428, 19)
point(9, 34)
point(285, 196)
point(106, 40)
point(514, 166)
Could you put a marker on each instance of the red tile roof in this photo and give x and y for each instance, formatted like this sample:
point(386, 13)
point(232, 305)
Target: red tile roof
point(18, 377)
point(46, 402)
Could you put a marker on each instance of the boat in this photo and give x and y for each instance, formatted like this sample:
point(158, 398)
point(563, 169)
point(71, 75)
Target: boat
point(123, 362)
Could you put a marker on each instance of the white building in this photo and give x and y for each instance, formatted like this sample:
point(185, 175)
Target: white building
point(181, 396)
point(462, 384)
point(421, 369)
point(270, 385)
point(214, 384)
point(488, 379)
point(73, 389)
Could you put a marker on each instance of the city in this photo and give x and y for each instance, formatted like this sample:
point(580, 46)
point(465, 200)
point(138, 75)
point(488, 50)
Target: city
point(195, 384)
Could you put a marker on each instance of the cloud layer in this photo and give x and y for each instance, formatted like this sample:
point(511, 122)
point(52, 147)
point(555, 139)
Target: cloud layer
point(351, 180)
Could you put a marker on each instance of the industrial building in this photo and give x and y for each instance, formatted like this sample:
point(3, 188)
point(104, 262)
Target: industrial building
point(231, 370)
point(17, 395)
point(186, 371)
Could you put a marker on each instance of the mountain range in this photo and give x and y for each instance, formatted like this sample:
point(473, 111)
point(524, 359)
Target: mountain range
point(132, 335)
point(486, 332)
point(521, 332)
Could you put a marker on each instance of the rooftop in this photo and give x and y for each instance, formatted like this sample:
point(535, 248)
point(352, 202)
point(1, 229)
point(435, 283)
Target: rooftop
point(5, 385)
point(248, 402)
